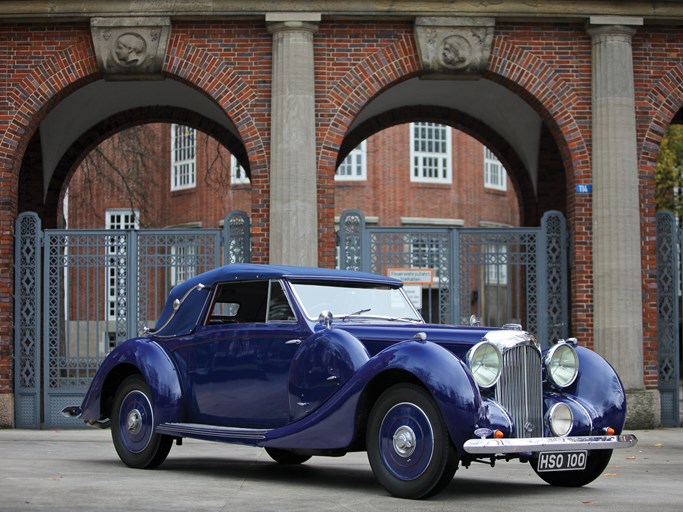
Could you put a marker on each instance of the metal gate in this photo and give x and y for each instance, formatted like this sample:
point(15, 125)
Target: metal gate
point(499, 276)
point(78, 293)
point(669, 239)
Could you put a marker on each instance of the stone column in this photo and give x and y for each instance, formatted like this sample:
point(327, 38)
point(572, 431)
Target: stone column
point(617, 283)
point(293, 176)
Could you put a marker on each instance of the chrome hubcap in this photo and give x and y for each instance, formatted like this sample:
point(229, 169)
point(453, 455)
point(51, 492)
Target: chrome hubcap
point(404, 441)
point(134, 421)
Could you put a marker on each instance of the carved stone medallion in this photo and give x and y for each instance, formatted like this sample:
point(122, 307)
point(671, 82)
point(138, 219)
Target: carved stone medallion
point(454, 46)
point(130, 48)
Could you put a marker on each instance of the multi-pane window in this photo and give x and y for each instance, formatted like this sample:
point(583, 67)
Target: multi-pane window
point(117, 219)
point(496, 270)
point(354, 166)
point(184, 265)
point(494, 172)
point(430, 153)
point(183, 157)
point(238, 175)
point(425, 251)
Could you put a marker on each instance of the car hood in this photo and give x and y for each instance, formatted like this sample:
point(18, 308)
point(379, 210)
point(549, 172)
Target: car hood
point(457, 339)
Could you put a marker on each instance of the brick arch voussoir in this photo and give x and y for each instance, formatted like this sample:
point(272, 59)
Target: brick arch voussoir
point(221, 84)
point(549, 95)
point(666, 100)
point(56, 77)
point(376, 73)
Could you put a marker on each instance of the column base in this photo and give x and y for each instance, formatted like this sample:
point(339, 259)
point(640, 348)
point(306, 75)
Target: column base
point(6, 410)
point(643, 409)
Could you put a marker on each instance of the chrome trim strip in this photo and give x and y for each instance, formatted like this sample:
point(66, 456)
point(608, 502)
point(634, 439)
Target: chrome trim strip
point(195, 429)
point(542, 444)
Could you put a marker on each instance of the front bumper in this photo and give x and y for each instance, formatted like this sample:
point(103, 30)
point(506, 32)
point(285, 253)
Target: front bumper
point(544, 444)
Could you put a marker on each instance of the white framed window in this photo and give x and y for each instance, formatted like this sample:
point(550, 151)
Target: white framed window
point(430, 153)
point(354, 166)
point(494, 172)
point(117, 219)
point(184, 264)
point(496, 269)
point(425, 251)
point(183, 157)
point(238, 176)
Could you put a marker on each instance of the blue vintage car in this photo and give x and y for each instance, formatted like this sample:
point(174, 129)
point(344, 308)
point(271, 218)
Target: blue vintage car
point(307, 361)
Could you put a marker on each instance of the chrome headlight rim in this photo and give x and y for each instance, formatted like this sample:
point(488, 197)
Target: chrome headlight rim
point(555, 358)
point(476, 360)
point(560, 419)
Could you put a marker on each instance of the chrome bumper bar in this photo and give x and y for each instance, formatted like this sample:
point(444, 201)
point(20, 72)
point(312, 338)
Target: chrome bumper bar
point(545, 444)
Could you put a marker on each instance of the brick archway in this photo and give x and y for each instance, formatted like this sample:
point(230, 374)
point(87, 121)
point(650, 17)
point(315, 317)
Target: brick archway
point(465, 123)
point(105, 129)
point(664, 106)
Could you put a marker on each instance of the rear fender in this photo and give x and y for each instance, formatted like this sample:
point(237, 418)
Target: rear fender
point(142, 356)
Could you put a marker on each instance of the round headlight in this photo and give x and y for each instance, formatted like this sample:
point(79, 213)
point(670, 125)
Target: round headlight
point(560, 419)
point(562, 365)
point(484, 361)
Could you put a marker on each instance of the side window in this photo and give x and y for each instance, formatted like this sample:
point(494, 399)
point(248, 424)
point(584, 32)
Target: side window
point(249, 302)
point(278, 305)
point(243, 302)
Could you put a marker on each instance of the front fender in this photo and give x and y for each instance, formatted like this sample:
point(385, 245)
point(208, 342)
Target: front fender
point(137, 355)
point(334, 425)
point(600, 391)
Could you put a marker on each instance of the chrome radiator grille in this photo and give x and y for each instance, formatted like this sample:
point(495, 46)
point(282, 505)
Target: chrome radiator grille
point(520, 389)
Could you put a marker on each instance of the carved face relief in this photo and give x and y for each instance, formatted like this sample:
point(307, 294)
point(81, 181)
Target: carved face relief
point(455, 52)
point(129, 50)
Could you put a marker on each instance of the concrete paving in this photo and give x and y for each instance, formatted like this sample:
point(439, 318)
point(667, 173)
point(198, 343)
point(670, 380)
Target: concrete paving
point(71, 470)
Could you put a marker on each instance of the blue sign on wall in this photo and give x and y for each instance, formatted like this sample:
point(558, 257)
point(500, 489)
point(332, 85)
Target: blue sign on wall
point(584, 189)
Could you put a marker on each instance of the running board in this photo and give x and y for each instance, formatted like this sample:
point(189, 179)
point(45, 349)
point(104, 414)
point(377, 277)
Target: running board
point(212, 431)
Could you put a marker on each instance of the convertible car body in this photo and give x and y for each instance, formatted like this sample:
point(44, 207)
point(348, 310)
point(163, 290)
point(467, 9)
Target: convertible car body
point(306, 361)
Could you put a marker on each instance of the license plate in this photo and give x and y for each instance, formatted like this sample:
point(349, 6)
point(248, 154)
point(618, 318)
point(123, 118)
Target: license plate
point(562, 461)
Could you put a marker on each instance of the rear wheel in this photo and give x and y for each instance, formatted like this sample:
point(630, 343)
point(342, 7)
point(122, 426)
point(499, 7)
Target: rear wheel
point(595, 464)
point(286, 456)
point(132, 426)
point(408, 445)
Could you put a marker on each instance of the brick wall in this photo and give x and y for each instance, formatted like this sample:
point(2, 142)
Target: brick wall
point(546, 64)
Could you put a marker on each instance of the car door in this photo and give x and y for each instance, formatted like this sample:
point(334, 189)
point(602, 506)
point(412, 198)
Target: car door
point(238, 362)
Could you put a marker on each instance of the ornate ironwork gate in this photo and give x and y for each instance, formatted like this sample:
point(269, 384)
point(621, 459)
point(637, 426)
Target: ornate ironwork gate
point(512, 275)
point(78, 293)
point(668, 316)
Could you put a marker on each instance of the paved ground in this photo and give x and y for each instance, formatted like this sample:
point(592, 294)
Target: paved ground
point(79, 470)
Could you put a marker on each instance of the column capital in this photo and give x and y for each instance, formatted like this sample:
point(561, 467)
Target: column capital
point(613, 26)
point(295, 21)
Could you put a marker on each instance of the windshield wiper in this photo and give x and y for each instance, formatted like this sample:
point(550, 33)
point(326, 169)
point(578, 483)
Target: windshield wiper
point(355, 313)
point(360, 313)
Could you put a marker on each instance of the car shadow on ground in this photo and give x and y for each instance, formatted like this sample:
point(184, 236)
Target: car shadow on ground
point(355, 478)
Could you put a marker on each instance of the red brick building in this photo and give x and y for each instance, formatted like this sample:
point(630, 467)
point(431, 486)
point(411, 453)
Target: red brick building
point(469, 186)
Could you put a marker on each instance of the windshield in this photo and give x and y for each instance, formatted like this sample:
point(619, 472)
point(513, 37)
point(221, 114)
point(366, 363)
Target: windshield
point(355, 301)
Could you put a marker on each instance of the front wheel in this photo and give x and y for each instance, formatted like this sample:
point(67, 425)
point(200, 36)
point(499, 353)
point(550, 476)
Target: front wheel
point(595, 465)
point(408, 445)
point(132, 426)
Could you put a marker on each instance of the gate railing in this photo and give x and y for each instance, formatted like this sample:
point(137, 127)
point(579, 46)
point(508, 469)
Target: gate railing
point(500, 275)
point(669, 246)
point(78, 293)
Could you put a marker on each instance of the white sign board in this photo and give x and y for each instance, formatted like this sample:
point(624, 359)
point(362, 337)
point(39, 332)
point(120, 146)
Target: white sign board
point(419, 276)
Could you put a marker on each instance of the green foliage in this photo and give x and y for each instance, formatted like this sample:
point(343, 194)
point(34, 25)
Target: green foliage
point(669, 172)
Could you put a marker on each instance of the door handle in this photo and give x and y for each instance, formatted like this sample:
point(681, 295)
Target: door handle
point(293, 342)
